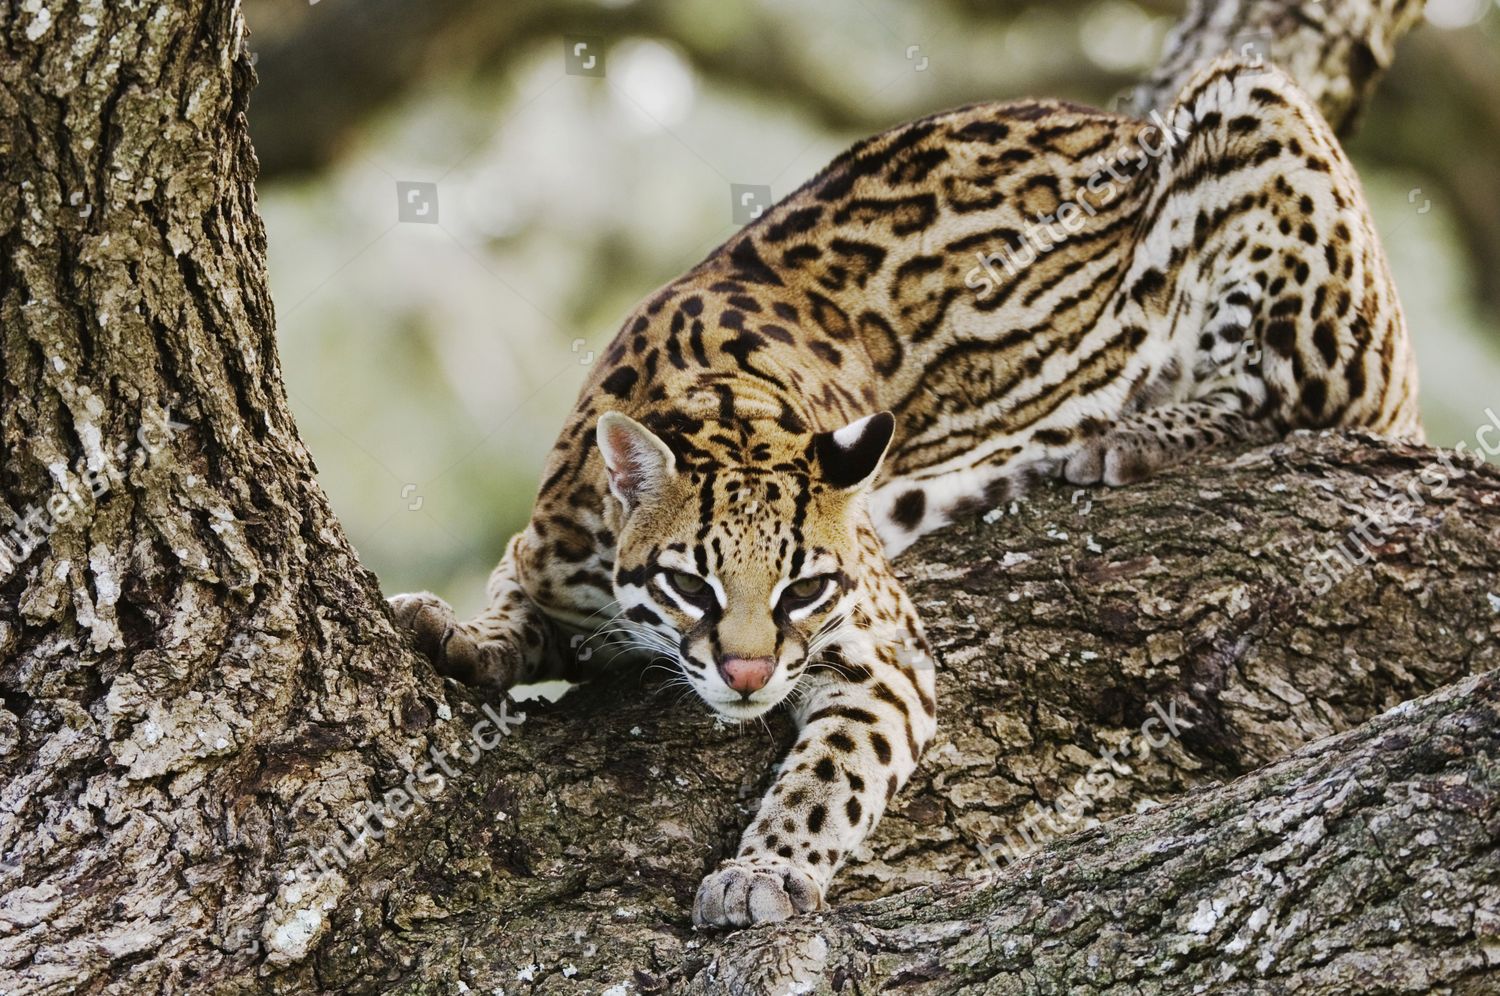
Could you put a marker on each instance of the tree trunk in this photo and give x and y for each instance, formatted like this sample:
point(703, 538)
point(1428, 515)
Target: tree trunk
point(197, 674)
point(202, 691)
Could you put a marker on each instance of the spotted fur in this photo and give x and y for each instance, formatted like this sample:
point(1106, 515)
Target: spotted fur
point(725, 491)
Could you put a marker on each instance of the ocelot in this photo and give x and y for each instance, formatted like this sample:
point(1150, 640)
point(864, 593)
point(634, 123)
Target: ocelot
point(950, 310)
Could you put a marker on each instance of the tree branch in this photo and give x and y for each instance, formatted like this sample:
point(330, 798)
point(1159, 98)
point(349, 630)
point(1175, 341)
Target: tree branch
point(1363, 863)
point(1336, 50)
point(577, 847)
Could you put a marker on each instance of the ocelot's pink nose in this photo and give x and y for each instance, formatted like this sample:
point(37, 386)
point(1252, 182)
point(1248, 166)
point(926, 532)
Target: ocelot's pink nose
point(747, 674)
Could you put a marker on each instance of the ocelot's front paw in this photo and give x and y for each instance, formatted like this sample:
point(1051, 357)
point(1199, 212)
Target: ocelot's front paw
point(741, 893)
point(454, 649)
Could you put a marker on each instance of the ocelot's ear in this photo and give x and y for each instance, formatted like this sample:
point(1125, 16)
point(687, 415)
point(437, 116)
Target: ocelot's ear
point(849, 457)
point(639, 463)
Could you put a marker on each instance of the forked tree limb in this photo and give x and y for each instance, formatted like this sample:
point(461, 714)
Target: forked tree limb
point(577, 848)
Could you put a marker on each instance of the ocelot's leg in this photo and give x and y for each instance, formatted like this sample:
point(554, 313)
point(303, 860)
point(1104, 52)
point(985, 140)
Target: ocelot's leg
point(510, 643)
point(1215, 359)
point(1264, 286)
point(1294, 235)
point(859, 742)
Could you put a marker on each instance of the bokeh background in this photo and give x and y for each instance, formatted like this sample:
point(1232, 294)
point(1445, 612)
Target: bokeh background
point(431, 361)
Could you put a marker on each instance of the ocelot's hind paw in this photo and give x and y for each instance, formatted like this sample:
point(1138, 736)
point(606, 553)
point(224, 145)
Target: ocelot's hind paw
point(1152, 440)
point(1121, 457)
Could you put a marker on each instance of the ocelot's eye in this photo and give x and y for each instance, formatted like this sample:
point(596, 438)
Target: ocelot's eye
point(689, 586)
point(804, 592)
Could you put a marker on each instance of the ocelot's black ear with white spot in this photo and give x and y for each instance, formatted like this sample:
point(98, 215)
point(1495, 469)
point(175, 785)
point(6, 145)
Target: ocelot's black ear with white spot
point(639, 463)
point(849, 457)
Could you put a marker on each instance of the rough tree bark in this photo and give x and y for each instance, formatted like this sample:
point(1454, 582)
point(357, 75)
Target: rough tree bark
point(195, 667)
point(200, 684)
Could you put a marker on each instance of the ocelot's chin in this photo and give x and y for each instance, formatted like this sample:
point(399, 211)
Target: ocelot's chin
point(739, 710)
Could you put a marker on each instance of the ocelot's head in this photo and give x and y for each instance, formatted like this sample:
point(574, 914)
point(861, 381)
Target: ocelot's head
point(737, 560)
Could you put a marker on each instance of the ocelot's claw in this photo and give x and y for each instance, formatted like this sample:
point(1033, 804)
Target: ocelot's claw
point(453, 649)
